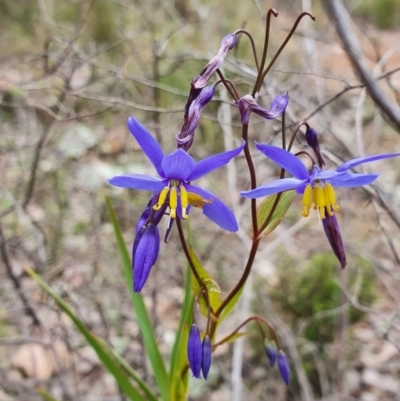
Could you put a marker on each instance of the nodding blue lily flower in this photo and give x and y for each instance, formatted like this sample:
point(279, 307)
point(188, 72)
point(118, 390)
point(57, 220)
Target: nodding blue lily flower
point(206, 356)
point(248, 104)
point(195, 351)
point(316, 185)
point(283, 367)
point(177, 170)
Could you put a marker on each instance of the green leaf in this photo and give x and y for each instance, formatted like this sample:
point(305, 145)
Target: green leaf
point(178, 387)
point(265, 208)
point(230, 305)
point(214, 292)
point(143, 319)
point(99, 346)
point(45, 395)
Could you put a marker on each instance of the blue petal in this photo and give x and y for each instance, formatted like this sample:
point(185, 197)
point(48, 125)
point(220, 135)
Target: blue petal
point(285, 160)
point(366, 159)
point(149, 145)
point(207, 356)
point(178, 165)
point(194, 351)
point(216, 211)
point(353, 180)
point(273, 187)
point(211, 163)
point(327, 175)
point(138, 181)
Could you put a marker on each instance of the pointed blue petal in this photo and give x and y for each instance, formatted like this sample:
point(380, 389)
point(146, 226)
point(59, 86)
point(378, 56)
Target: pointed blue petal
point(178, 165)
point(353, 180)
point(216, 211)
point(149, 145)
point(285, 160)
point(283, 367)
point(366, 159)
point(211, 163)
point(327, 175)
point(145, 255)
point(273, 187)
point(138, 181)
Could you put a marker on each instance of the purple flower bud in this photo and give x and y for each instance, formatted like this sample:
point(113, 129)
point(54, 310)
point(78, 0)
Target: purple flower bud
point(283, 366)
point(145, 252)
point(248, 104)
point(332, 232)
point(270, 351)
point(228, 43)
point(195, 351)
point(312, 140)
point(192, 117)
point(207, 356)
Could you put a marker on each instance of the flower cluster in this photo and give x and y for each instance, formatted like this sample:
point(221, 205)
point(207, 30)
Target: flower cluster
point(199, 353)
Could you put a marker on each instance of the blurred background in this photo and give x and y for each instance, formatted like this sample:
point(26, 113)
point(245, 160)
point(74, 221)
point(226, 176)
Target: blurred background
point(72, 71)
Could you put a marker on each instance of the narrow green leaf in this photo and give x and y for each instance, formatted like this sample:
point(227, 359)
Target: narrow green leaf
point(178, 387)
point(265, 208)
point(228, 308)
point(98, 346)
point(45, 395)
point(214, 292)
point(143, 319)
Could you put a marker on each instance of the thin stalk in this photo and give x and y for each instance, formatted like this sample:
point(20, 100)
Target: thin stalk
point(299, 18)
point(260, 76)
point(299, 125)
point(252, 45)
point(231, 91)
point(187, 253)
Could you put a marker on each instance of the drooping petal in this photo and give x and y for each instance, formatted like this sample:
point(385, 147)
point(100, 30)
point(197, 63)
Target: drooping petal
point(211, 163)
point(194, 351)
point(332, 232)
point(353, 180)
point(178, 165)
point(216, 210)
point(138, 181)
point(367, 159)
point(273, 187)
point(284, 159)
point(283, 366)
point(207, 356)
point(145, 255)
point(149, 145)
point(327, 175)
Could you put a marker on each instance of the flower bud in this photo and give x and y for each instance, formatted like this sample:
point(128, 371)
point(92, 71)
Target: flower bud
point(195, 351)
point(207, 356)
point(145, 252)
point(270, 351)
point(283, 366)
point(312, 140)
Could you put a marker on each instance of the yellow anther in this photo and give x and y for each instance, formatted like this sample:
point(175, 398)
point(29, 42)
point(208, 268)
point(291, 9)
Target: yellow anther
point(161, 198)
point(184, 201)
point(319, 199)
point(307, 200)
point(197, 201)
point(173, 202)
point(330, 195)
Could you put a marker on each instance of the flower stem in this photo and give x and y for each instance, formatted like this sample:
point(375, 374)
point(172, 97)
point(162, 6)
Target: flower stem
point(252, 45)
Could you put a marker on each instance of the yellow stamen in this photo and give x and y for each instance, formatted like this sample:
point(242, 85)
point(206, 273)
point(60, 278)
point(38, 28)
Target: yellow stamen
point(330, 195)
point(197, 201)
point(320, 201)
point(184, 201)
point(307, 200)
point(173, 202)
point(161, 198)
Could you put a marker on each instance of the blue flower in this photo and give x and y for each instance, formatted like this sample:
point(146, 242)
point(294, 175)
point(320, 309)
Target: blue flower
point(316, 185)
point(195, 351)
point(248, 104)
point(206, 356)
point(283, 367)
point(176, 171)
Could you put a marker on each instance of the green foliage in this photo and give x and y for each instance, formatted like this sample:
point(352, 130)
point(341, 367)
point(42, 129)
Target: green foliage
point(382, 13)
point(313, 292)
